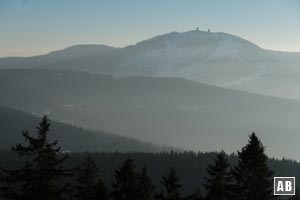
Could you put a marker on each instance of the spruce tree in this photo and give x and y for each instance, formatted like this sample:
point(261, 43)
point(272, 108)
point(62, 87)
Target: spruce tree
point(145, 185)
point(170, 181)
point(42, 176)
point(126, 182)
point(252, 176)
point(219, 181)
point(89, 185)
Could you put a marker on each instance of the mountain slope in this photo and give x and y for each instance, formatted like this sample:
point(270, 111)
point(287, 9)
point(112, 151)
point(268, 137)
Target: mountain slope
point(170, 111)
point(71, 138)
point(218, 59)
point(81, 57)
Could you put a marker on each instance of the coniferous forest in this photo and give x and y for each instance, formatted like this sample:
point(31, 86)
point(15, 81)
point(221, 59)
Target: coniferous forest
point(41, 170)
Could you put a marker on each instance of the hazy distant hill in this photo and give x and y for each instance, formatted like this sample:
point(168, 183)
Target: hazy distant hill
point(13, 122)
point(89, 58)
point(218, 59)
point(170, 111)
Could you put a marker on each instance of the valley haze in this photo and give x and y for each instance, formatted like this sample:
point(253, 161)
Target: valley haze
point(195, 90)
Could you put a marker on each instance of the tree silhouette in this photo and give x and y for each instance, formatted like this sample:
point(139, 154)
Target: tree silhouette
point(219, 181)
point(170, 181)
point(39, 178)
point(126, 182)
point(89, 185)
point(252, 176)
point(145, 185)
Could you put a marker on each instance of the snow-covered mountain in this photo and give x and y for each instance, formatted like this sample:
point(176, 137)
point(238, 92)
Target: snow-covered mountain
point(183, 54)
point(218, 59)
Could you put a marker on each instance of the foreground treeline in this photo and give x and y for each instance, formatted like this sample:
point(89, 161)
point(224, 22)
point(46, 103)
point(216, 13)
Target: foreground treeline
point(44, 175)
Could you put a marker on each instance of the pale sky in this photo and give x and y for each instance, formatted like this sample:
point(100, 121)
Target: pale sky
point(32, 27)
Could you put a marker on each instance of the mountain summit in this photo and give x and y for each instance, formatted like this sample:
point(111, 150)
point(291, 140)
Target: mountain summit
point(197, 39)
point(184, 54)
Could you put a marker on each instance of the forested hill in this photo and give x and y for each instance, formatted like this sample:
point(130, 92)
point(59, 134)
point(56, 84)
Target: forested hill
point(190, 166)
point(171, 111)
point(71, 138)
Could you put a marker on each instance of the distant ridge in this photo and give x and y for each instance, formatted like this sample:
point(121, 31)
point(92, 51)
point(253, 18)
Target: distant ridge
point(218, 59)
point(70, 137)
point(172, 111)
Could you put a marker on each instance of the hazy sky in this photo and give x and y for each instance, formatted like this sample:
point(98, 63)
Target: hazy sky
point(30, 27)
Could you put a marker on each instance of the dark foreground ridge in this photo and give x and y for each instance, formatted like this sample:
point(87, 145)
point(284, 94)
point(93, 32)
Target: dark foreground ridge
point(48, 173)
